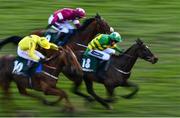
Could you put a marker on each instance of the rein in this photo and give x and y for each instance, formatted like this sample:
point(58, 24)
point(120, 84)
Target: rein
point(49, 59)
point(121, 71)
point(84, 46)
point(127, 55)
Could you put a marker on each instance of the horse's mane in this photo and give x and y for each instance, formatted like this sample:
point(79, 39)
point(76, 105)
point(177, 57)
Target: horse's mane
point(86, 23)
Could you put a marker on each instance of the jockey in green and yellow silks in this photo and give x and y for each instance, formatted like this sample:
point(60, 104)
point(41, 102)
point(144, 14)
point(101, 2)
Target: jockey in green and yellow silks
point(102, 47)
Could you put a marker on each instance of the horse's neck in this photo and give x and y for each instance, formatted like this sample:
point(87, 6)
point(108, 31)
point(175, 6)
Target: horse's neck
point(83, 37)
point(125, 61)
point(54, 66)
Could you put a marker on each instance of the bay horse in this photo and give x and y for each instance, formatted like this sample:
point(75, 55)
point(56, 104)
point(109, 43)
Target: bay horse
point(119, 72)
point(82, 36)
point(89, 29)
point(46, 80)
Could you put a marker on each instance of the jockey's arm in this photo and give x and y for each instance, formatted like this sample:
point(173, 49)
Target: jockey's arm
point(32, 48)
point(76, 23)
point(118, 49)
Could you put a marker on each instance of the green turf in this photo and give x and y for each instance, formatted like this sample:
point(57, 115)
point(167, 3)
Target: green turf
point(155, 21)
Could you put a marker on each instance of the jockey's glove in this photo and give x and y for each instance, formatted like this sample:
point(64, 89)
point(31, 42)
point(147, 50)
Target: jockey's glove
point(54, 46)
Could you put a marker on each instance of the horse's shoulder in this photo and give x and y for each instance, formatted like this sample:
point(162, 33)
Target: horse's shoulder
point(116, 56)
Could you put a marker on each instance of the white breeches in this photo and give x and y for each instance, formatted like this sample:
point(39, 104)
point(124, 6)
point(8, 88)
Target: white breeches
point(24, 54)
point(62, 27)
point(104, 55)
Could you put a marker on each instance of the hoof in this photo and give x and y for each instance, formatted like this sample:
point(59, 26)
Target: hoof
point(127, 96)
point(68, 109)
point(109, 100)
point(109, 107)
point(90, 99)
point(45, 102)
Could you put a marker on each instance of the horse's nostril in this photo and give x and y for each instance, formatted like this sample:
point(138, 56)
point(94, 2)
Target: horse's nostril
point(156, 59)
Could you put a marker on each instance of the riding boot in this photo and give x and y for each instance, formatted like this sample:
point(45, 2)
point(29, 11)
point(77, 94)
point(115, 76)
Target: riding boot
point(26, 70)
point(102, 73)
point(59, 37)
point(67, 37)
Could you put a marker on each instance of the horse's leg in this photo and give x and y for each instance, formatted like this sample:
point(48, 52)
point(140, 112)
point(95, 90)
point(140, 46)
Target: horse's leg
point(22, 91)
point(110, 92)
point(76, 91)
point(57, 92)
point(77, 83)
point(133, 86)
point(89, 87)
point(5, 84)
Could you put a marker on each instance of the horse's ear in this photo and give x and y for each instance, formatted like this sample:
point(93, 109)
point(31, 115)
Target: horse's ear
point(98, 16)
point(139, 41)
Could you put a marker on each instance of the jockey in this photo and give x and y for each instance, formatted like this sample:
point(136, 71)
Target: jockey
point(103, 46)
point(61, 20)
point(27, 48)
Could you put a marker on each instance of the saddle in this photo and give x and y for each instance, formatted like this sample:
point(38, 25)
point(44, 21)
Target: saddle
point(25, 67)
point(51, 35)
point(91, 64)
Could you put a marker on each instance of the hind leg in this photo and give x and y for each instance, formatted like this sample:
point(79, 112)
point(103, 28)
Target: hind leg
point(5, 84)
point(76, 91)
point(76, 87)
point(22, 91)
point(89, 87)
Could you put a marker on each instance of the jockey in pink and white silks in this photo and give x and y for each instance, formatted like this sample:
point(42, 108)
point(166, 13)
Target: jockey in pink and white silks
point(61, 20)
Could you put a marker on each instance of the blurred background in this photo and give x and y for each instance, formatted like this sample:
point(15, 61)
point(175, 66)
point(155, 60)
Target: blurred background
point(156, 22)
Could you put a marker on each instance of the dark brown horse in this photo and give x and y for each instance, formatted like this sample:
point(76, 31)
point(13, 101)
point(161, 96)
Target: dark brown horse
point(45, 81)
point(89, 29)
point(119, 72)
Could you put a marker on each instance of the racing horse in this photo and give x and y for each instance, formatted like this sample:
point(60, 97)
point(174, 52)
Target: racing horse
point(82, 36)
point(89, 29)
point(119, 72)
point(46, 80)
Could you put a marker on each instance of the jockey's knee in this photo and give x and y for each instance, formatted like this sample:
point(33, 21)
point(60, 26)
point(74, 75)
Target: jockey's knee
point(65, 30)
point(106, 57)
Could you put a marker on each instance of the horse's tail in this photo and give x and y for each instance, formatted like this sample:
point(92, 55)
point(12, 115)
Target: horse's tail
point(5, 72)
point(12, 39)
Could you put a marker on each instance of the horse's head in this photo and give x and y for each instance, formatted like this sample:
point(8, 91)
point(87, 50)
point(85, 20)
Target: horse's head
point(144, 52)
point(70, 61)
point(102, 26)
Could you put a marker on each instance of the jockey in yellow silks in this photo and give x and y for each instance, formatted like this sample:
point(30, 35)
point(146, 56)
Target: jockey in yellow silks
point(27, 47)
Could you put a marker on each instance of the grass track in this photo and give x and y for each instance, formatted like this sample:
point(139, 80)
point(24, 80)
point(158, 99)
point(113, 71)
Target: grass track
point(156, 22)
